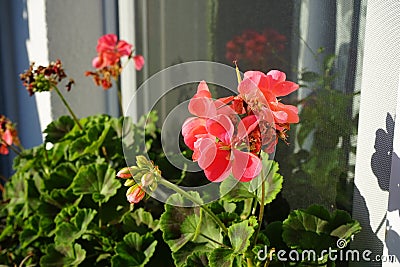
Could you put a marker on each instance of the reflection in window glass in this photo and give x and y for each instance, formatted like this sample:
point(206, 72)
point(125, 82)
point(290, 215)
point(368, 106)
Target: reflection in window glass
point(317, 43)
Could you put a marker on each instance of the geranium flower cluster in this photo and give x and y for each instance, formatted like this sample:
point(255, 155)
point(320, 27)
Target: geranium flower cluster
point(110, 50)
point(42, 79)
point(256, 49)
point(228, 134)
point(8, 135)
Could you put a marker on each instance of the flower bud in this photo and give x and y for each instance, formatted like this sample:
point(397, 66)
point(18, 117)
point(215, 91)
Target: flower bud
point(135, 194)
point(129, 182)
point(124, 173)
point(147, 179)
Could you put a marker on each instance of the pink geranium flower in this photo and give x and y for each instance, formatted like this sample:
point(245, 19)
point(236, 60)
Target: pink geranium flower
point(203, 107)
point(110, 50)
point(6, 141)
point(8, 135)
point(272, 85)
point(219, 154)
point(108, 62)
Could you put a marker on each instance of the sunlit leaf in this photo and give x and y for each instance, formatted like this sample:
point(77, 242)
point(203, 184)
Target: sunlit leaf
point(97, 180)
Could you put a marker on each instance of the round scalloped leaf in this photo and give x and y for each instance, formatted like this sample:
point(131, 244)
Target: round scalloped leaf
point(97, 180)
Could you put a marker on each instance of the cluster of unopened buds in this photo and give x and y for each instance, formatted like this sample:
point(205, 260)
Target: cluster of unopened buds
point(42, 79)
point(110, 50)
point(254, 48)
point(140, 179)
point(8, 135)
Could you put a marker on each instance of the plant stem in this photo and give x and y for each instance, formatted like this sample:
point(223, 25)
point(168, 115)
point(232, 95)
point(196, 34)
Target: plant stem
point(215, 241)
point(261, 214)
point(249, 262)
point(119, 96)
point(194, 200)
point(68, 107)
point(100, 223)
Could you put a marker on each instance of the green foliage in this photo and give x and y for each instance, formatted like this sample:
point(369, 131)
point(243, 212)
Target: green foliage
point(316, 229)
point(65, 207)
point(325, 135)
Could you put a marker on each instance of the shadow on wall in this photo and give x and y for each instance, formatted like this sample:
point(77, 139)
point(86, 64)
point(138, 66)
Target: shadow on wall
point(386, 167)
point(381, 163)
point(392, 237)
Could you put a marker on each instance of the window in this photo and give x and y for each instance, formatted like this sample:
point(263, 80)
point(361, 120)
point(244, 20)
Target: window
point(317, 43)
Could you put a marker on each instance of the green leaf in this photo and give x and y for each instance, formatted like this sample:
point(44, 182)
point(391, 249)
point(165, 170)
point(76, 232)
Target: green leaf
point(233, 191)
point(274, 233)
point(63, 256)
point(181, 257)
point(144, 217)
point(197, 259)
point(314, 228)
point(70, 230)
point(347, 231)
point(329, 61)
point(97, 180)
point(239, 234)
point(135, 250)
point(221, 257)
point(273, 183)
point(58, 129)
point(61, 177)
point(309, 76)
point(179, 224)
point(30, 232)
point(89, 143)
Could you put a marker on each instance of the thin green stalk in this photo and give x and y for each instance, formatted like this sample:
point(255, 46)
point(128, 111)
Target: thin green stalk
point(261, 213)
point(249, 262)
point(68, 107)
point(194, 200)
point(215, 241)
point(118, 84)
point(100, 222)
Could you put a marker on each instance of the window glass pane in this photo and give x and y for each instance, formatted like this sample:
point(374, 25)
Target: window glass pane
point(318, 44)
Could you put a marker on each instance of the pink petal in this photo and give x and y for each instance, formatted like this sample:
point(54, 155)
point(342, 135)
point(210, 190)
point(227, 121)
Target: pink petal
point(284, 88)
point(202, 107)
point(106, 42)
point(205, 152)
point(277, 76)
point(202, 90)
point(97, 63)
point(191, 128)
point(139, 62)
point(3, 150)
point(221, 126)
point(246, 126)
point(124, 48)
point(7, 137)
point(220, 167)
point(259, 78)
point(291, 111)
point(246, 166)
point(280, 116)
point(248, 88)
